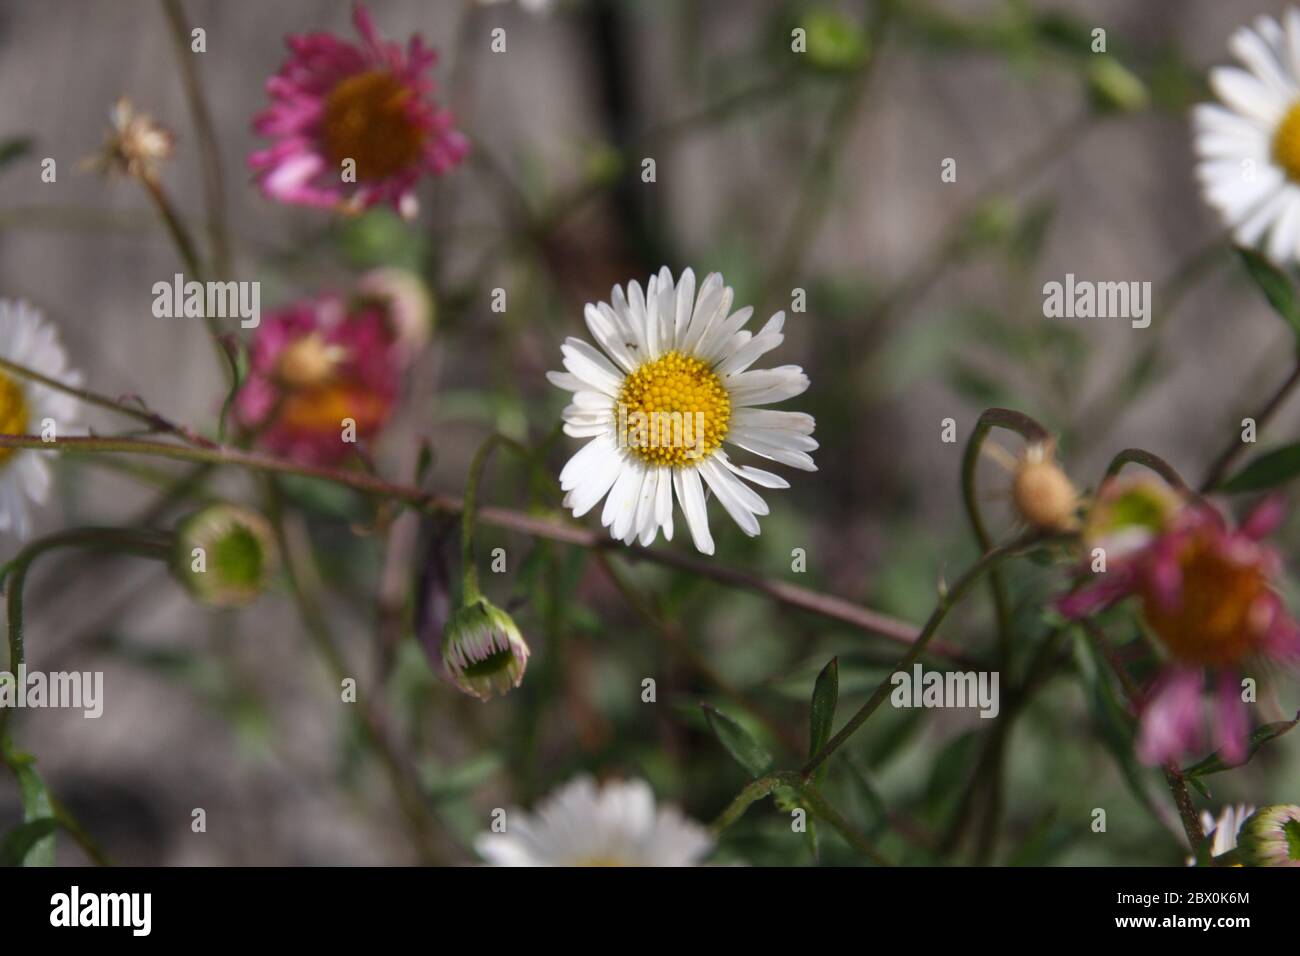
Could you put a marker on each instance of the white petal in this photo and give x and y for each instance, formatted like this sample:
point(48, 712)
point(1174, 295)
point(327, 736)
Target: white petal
point(686, 482)
point(1247, 94)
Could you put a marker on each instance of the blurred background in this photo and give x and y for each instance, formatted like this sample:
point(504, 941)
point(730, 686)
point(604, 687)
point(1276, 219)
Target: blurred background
point(818, 172)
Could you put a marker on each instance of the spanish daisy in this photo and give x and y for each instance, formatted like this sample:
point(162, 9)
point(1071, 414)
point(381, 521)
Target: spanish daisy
point(1206, 593)
point(1271, 837)
point(337, 104)
point(26, 339)
point(670, 382)
point(585, 825)
point(1249, 148)
point(324, 375)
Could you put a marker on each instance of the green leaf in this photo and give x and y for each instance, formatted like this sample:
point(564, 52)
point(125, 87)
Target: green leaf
point(1260, 736)
point(1276, 286)
point(825, 695)
point(740, 743)
point(37, 805)
point(1267, 471)
point(21, 842)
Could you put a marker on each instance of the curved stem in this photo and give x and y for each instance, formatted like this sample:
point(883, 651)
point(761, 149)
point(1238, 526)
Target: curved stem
point(469, 508)
point(150, 544)
point(1146, 459)
point(1031, 431)
point(949, 600)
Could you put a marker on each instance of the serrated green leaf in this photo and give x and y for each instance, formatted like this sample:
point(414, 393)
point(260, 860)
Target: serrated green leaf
point(1276, 286)
point(740, 743)
point(1260, 736)
point(1267, 471)
point(21, 842)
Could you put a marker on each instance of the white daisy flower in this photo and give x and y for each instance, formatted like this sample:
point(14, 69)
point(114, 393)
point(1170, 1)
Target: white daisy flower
point(27, 339)
point(1223, 831)
point(582, 825)
point(1250, 151)
point(669, 384)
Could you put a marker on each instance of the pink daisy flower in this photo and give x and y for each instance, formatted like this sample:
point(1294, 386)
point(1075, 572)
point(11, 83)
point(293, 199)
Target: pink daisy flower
point(1206, 592)
point(371, 103)
point(315, 365)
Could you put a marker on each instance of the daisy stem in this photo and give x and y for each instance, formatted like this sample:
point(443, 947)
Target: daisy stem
point(214, 200)
point(190, 259)
point(469, 508)
point(305, 586)
point(1173, 775)
point(829, 606)
point(1146, 459)
point(153, 420)
point(947, 601)
point(1031, 431)
point(1228, 457)
point(150, 544)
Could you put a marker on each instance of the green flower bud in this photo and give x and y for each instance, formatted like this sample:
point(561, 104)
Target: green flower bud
point(1114, 88)
point(483, 651)
point(835, 42)
point(225, 555)
point(1271, 837)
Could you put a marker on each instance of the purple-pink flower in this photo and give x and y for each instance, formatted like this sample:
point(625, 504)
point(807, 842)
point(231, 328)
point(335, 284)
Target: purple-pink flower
point(1206, 592)
point(367, 108)
point(324, 376)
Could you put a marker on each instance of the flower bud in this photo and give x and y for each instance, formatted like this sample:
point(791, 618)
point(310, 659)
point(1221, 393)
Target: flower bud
point(1128, 513)
point(1114, 88)
point(1043, 495)
point(1271, 837)
point(410, 307)
point(483, 651)
point(225, 555)
point(835, 42)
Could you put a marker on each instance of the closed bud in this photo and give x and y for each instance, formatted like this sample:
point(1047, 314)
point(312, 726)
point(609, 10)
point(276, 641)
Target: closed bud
point(1043, 495)
point(225, 555)
point(1271, 837)
point(483, 651)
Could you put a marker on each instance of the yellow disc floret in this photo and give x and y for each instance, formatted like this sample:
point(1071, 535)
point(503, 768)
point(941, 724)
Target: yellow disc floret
point(367, 120)
point(673, 411)
point(1286, 143)
point(13, 412)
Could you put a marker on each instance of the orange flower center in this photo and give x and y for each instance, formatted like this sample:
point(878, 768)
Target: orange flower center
point(324, 408)
point(1216, 621)
point(366, 120)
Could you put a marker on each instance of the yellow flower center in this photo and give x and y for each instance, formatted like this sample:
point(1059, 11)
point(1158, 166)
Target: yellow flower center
point(13, 412)
point(309, 361)
point(1286, 143)
point(1215, 622)
point(366, 120)
point(673, 411)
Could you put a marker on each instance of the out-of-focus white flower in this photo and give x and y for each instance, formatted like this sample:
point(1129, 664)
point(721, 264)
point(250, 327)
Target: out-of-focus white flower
point(26, 339)
point(585, 825)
